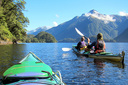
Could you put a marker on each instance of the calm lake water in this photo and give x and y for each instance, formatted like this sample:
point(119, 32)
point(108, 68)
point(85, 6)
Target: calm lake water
point(75, 70)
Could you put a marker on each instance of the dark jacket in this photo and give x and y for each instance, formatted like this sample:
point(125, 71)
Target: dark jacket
point(99, 45)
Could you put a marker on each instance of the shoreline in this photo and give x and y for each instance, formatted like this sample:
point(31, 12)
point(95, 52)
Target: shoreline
point(5, 42)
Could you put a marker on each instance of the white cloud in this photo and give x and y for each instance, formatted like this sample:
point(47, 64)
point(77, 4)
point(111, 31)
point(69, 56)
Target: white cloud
point(57, 16)
point(105, 18)
point(55, 23)
point(123, 14)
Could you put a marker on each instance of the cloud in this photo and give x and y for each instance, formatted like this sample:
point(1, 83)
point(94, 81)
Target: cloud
point(123, 14)
point(105, 18)
point(55, 23)
point(57, 16)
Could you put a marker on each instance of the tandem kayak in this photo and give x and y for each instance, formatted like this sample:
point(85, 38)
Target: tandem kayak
point(31, 70)
point(103, 55)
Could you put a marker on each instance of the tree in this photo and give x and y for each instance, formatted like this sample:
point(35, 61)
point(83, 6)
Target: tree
point(45, 37)
point(15, 19)
point(5, 34)
point(34, 40)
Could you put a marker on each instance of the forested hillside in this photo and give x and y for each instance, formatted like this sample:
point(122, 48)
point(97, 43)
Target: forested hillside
point(12, 20)
point(42, 37)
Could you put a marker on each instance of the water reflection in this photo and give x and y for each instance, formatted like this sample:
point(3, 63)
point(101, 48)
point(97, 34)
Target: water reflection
point(114, 64)
point(10, 55)
point(74, 69)
point(99, 64)
point(94, 70)
point(65, 55)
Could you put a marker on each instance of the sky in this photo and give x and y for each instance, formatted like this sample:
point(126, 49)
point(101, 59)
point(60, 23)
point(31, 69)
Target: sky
point(54, 12)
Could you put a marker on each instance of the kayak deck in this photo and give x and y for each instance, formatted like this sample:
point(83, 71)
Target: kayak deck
point(28, 69)
point(31, 67)
point(102, 55)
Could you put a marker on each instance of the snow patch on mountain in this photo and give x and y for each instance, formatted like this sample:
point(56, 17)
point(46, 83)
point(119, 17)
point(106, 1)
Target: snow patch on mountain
point(95, 14)
point(123, 14)
point(39, 29)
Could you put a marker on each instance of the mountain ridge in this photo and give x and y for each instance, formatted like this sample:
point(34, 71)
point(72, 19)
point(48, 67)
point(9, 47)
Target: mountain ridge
point(90, 24)
point(123, 36)
point(39, 29)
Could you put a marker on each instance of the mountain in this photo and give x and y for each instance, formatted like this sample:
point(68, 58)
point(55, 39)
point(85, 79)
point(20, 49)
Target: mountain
point(90, 24)
point(38, 30)
point(123, 26)
point(123, 36)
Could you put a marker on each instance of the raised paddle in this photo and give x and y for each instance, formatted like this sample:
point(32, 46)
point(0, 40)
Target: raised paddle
point(81, 34)
point(68, 49)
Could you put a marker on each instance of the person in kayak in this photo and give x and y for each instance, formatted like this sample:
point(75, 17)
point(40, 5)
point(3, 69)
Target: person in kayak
point(82, 45)
point(98, 45)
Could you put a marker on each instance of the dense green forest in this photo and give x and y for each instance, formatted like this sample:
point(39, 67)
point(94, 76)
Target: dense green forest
point(13, 23)
point(12, 20)
point(41, 37)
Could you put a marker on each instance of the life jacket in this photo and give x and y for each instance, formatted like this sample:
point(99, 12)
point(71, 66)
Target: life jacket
point(83, 48)
point(100, 46)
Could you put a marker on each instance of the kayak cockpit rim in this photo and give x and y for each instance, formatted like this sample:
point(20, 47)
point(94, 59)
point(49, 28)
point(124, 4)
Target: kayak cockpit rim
point(52, 77)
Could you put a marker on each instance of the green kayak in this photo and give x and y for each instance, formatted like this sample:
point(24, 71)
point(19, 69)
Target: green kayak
point(103, 55)
point(31, 70)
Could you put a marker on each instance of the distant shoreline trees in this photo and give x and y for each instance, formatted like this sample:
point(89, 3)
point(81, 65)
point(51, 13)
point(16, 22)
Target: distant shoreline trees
point(42, 37)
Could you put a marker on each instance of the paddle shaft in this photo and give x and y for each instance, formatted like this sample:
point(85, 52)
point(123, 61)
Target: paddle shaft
point(85, 37)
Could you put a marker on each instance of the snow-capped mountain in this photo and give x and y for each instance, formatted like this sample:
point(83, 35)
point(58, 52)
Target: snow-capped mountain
point(37, 30)
point(103, 17)
point(90, 24)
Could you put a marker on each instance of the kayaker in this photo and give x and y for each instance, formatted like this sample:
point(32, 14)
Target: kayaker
point(98, 45)
point(82, 45)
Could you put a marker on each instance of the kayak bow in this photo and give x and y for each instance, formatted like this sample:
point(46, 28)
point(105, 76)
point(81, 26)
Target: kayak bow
point(31, 68)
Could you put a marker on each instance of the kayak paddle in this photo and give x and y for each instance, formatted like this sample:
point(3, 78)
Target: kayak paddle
point(80, 33)
point(66, 49)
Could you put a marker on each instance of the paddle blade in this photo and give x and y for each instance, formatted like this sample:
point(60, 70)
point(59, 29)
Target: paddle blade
point(66, 49)
point(79, 32)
